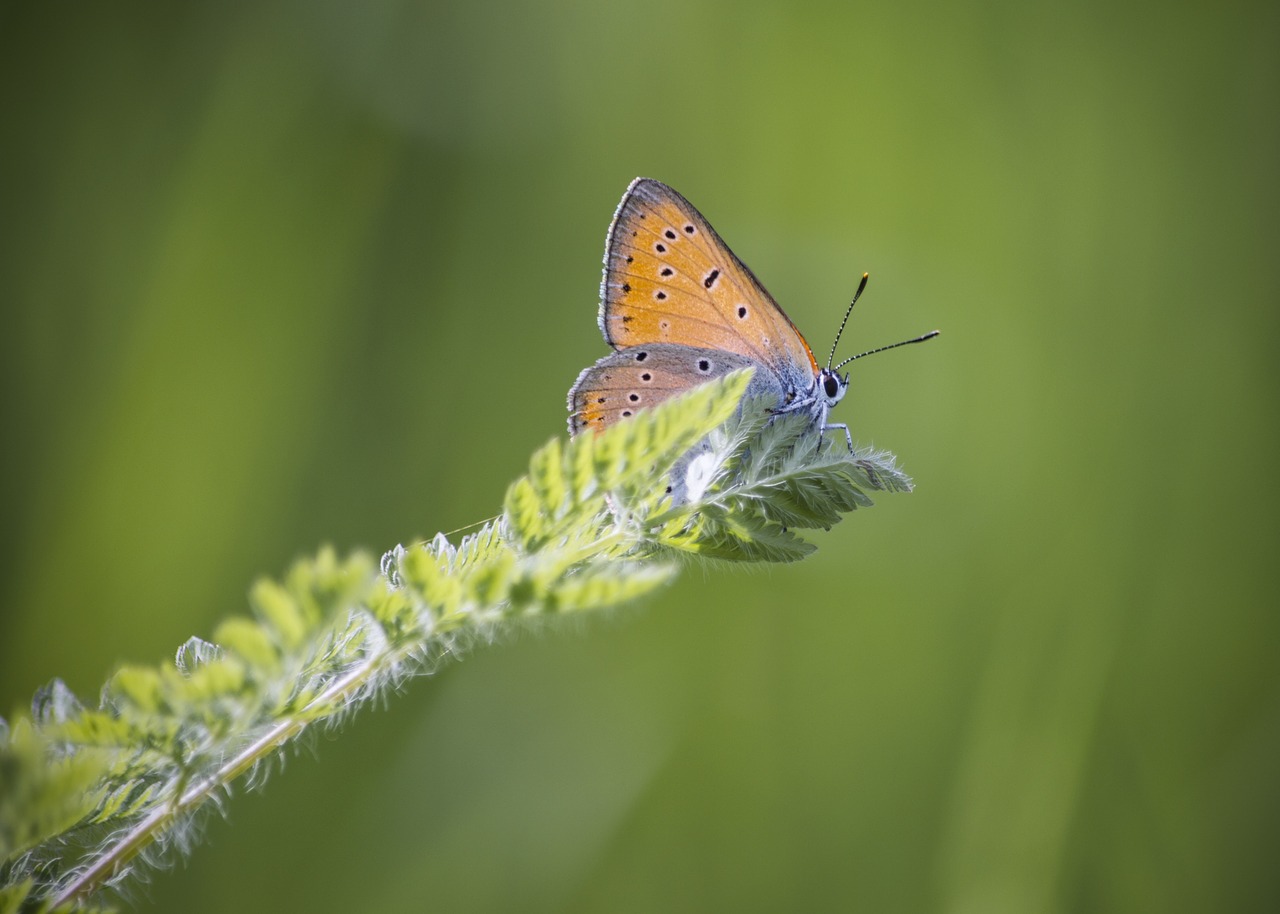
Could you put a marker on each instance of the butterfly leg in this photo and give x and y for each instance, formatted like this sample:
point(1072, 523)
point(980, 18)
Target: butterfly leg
point(844, 428)
point(794, 406)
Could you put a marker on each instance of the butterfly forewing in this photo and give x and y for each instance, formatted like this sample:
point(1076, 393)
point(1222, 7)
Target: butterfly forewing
point(669, 278)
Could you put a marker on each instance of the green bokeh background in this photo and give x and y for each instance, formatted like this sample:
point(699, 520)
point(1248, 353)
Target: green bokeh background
point(278, 274)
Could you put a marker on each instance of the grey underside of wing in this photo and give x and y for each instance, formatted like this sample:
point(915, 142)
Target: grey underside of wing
point(677, 368)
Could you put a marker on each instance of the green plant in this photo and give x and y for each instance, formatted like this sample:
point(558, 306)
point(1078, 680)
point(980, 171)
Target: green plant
point(91, 794)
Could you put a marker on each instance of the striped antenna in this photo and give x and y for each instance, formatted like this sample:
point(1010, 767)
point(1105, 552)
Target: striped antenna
point(920, 339)
point(862, 285)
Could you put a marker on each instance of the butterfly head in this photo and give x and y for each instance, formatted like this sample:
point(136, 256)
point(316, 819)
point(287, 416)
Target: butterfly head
point(832, 386)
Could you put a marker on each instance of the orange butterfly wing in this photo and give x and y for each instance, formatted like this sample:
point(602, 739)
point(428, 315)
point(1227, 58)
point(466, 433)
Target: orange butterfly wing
point(669, 278)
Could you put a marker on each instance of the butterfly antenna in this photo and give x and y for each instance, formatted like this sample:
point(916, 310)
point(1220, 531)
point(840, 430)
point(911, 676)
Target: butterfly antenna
point(920, 339)
point(862, 285)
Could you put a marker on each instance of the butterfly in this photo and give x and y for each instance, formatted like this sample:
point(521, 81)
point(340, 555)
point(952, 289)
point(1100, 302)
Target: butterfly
point(680, 308)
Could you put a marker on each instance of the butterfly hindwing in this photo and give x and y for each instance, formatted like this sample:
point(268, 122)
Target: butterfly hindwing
point(669, 278)
point(624, 382)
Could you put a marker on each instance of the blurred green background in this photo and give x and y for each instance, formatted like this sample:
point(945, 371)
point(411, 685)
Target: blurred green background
point(277, 274)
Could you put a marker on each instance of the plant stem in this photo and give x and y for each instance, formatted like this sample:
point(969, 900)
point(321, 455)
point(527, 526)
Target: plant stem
point(146, 831)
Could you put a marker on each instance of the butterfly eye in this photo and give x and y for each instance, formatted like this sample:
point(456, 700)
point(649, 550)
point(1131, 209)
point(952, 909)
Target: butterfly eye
point(833, 387)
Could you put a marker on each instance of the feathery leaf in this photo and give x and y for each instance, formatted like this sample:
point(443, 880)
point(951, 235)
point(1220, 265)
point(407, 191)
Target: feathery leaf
point(90, 794)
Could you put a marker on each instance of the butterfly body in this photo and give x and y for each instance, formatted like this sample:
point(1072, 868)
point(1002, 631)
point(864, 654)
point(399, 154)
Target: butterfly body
point(680, 308)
